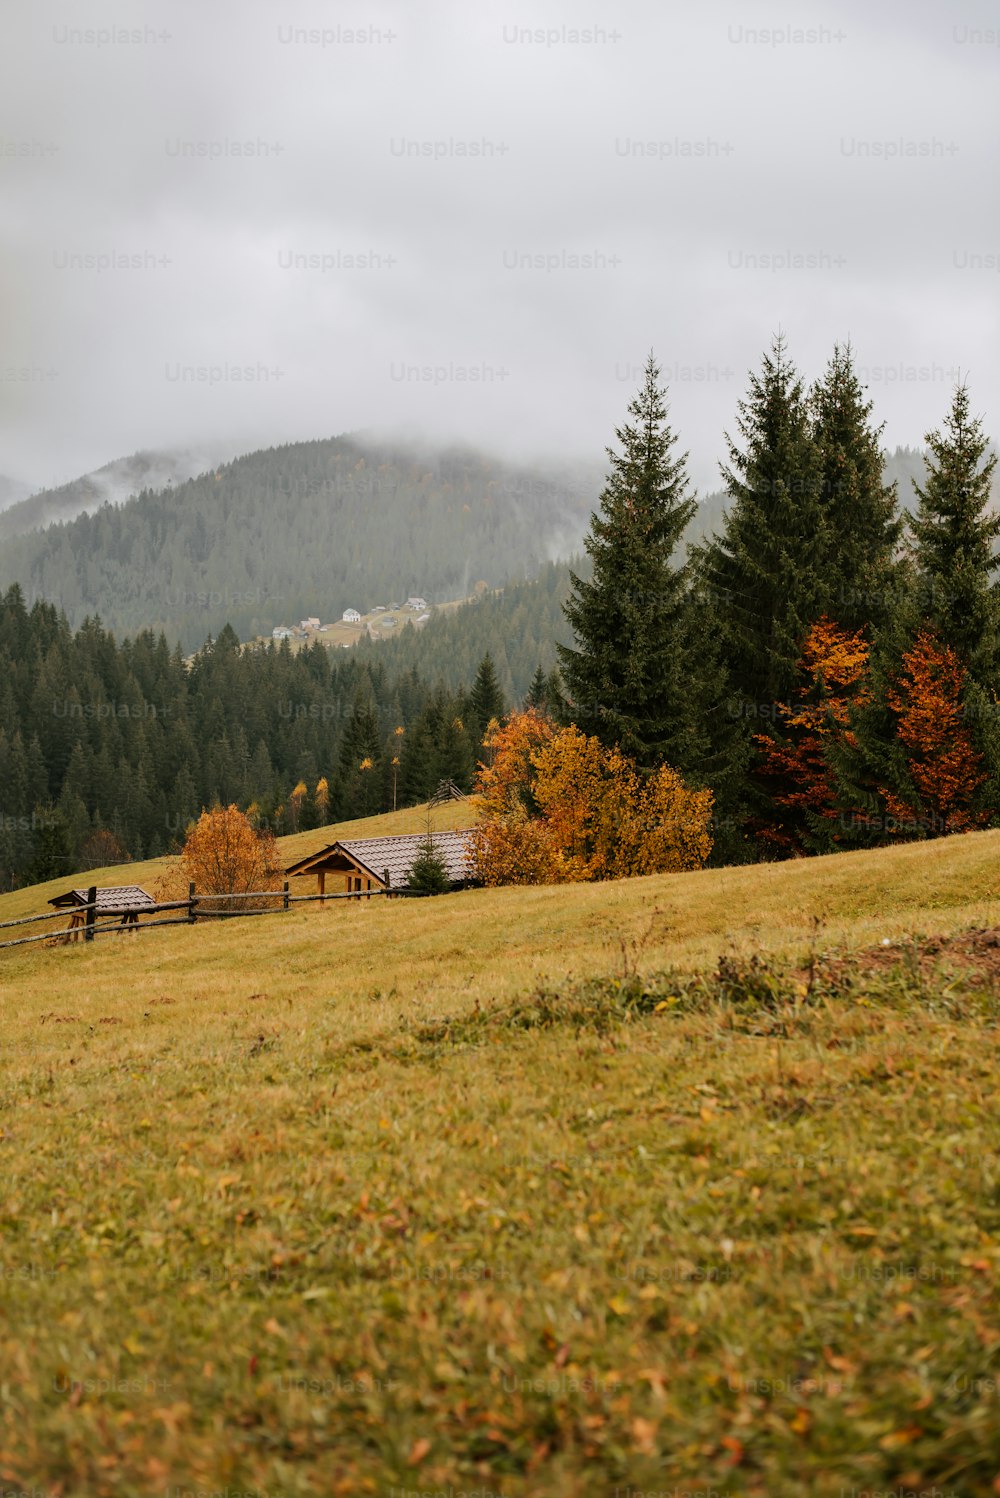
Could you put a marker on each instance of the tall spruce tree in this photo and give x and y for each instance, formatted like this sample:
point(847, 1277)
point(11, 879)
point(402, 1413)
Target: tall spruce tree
point(537, 693)
point(861, 526)
point(360, 751)
point(626, 679)
point(485, 701)
point(764, 573)
point(954, 542)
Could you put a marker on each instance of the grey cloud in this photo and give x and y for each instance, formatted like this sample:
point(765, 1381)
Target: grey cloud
point(461, 231)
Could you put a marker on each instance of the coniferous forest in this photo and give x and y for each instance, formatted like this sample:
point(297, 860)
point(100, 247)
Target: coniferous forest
point(826, 660)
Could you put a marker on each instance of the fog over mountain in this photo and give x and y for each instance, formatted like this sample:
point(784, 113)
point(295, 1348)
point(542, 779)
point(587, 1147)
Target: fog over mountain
point(12, 491)
point(114, 483)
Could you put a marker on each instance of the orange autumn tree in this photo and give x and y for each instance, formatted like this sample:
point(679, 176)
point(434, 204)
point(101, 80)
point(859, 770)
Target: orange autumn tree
point(558, 806)
point(224, 854)
point(834, 680)
point(944, 768)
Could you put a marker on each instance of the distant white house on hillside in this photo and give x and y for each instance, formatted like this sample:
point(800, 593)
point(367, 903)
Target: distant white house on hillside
point(351, 616)
point(282, 632)
point(310, 624)
point(416, 604)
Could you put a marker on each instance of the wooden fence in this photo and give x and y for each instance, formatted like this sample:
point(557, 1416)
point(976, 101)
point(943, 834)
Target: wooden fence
point(86, 924)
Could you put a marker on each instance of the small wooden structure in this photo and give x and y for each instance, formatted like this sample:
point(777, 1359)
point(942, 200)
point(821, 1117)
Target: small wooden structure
point(384, 863)
point(125, 901)
point(447, 790)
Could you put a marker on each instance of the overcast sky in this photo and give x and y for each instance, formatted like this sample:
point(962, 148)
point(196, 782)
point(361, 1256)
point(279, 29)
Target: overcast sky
point(533, 195)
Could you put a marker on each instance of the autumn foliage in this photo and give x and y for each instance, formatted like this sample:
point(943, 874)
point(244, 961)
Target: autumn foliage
point(943, 763)
point(941, 770)
point(224, 854)
point(557, 806)
point(833, 675)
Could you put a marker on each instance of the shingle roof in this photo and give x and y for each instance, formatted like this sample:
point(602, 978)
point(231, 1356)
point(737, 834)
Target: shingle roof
point(124, 897)
point(398, 854)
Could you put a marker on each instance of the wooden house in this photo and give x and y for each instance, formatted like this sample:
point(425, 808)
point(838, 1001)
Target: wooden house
point(377, 863)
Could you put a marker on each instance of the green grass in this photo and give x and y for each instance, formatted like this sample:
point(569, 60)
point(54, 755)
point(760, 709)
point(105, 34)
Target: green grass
point(515, 1191)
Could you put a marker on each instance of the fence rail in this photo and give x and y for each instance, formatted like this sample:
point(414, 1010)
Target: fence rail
point(88, 919)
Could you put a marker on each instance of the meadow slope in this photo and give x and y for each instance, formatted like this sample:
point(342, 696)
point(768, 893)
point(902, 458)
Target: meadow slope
point(646, 1185)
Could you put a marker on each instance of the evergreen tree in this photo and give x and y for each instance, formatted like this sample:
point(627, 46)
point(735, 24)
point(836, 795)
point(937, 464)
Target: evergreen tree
point(627, 678)
point(428, 874)
point(537, 693)
point(456, 759)
point(486, 701)
point(417, 763)
point(52, 855)
point(861, 527)
point(954, 540)
point(360, 781)
point(765, 572)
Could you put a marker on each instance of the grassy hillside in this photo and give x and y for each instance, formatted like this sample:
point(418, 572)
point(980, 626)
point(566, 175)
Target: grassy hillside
point(514, 1192)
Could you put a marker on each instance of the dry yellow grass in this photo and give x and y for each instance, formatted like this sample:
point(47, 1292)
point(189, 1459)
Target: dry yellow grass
point(264, 1227)
point(489, 944)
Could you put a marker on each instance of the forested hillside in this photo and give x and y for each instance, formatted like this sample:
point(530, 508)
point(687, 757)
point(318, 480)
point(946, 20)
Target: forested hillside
point(107, 750)
point(519, 626)
point(311, 529)
point(307, 529)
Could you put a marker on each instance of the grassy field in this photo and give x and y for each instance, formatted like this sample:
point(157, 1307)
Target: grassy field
point(685, 1184)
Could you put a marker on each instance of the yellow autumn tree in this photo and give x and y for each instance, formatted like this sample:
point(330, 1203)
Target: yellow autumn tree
point(556, 806)
point(512, 844)
point(295, 802)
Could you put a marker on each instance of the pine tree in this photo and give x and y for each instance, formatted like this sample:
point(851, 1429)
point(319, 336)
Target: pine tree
point(626, 679)
point(764, 573)
point(455, 756)
point(52, 856)
point(954, 542)
point(537, 694)
point(428, 874)
point(861, 527)
point(486, 697)
point(360, 780)
point(417, 763)
point(485, 702)
point(760, 586)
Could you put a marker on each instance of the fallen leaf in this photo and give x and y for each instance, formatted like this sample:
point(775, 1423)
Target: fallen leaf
point(644, 1433)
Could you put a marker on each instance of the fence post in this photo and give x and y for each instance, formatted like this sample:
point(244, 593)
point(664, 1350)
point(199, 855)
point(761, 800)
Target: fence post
point(191, 904)
point(385, 879)
point(88, 925)
point(285, 901)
